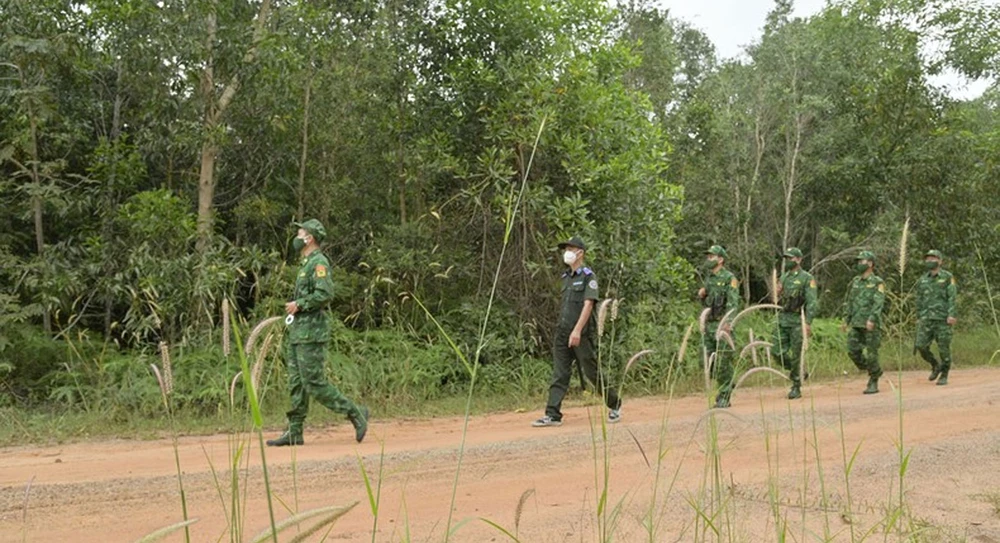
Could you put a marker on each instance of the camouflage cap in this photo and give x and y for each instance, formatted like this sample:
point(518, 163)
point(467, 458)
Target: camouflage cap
point(314, 227)
point(865, 255)
point(934, 253)
point(717, 250)
point(574, 241)
point(793, 252)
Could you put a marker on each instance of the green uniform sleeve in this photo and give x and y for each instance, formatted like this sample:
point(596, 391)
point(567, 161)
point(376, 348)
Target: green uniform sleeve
point(322, 289)
point(812, 301)
point(878, 301)
point(952, 294)
point(733, 295)
point(590, 291)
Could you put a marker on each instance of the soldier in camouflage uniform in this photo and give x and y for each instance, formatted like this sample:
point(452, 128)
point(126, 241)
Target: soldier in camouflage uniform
point(307, 339)
point(862, 318)
point(575, 337)
point(936, 315)
point(721, 295)
point(796, 292)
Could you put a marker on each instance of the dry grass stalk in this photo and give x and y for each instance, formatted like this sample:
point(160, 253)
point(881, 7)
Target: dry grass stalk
point(703, 320)
point(602, 315)
point(709, 360)
point(232, 389)
point(774, 286)
point(163, 386)
point(752, 348)
point(164, 532)
point(334, 513)
point(520, 507)
point(258, 366)
point(751, 309)
point(723, 335)
point(753, 353)
point(24, 507)
point(168, 370)
point(614, 309)
point(805, 343)
point(904, 239)
point(635, 357)
point(247, 347)
point(684, 343)
point(225, 327)
point(758, 370)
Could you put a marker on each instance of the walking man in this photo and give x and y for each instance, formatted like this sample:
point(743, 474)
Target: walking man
point(308, 335)
point(574, 337)
point(862, 318)
point(936, 315)
point(796, 292)
point(721, 295)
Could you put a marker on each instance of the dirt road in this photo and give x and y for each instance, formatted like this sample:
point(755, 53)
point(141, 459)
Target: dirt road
point(779, 460)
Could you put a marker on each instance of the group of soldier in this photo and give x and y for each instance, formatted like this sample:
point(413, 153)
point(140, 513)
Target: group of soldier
point(575, 330)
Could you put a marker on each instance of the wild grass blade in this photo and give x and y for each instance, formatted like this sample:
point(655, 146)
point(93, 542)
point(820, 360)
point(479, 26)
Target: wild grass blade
point(334, 512)
point(165, 531)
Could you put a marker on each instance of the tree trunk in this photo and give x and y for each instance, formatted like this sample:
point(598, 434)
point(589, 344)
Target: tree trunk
point(305, 151)
point(36, 203)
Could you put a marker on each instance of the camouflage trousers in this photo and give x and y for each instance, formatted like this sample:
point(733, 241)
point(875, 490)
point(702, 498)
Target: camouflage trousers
point(929, 331)
point(787, 343)
point(306, 378)
point(722, 366)
point(862, 347)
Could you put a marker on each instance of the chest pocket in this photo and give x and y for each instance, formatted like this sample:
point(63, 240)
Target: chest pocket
point(303, 284)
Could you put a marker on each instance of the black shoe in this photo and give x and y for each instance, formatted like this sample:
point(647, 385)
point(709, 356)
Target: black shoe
point(722, 401)
point(360, 425)
point(795, 393)
point(943, 380)
point(934, 373)
point(872, 386)
point(285, 440)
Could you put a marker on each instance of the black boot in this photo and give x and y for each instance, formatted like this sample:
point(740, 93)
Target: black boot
point(795, 393)
point(935, 372)
point(722, 400)
point(943, 380)
point(872, 386)
point(360, 423)
point(285, 440)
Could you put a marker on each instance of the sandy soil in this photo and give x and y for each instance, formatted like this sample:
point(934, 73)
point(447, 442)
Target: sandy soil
point(779, 459)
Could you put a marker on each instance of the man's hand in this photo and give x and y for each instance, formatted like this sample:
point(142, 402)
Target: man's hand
point(702, 292)
point(951, 321)
point(843, 328)
point(291, 308)
point(574, 339)
point(869, 326)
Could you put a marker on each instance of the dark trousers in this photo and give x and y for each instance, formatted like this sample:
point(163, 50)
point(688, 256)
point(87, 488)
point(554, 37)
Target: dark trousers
point(562, 370)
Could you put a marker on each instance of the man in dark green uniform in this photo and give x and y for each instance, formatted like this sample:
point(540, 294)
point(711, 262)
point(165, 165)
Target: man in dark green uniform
point(574, 337)
point(721, 295)
point(936, 315)
point(308, 334)
point(796, 292)
point(863, 316)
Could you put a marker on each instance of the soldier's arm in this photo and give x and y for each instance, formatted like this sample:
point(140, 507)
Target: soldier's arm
point(322, 292)
point(733, 295)
point(590, 296)
point(952, 294)
point(812, 301)
point(878, 301)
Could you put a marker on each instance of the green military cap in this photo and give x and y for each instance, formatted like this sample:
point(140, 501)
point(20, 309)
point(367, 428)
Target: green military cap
point(574, 241)
point(314, 227)
point(865, 255)
point(934, 252)
point(793, 252)
point(717, 250)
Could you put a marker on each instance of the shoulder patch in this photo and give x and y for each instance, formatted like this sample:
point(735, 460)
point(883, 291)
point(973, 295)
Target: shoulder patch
point(734, 283)
point(812, 283)
point(593, 284)
point(320, 270)
point(881, 287)
point(953, 280)
point(587, 271)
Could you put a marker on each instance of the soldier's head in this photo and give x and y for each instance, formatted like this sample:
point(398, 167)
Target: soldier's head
point(932, 260)
point(310, 234)
point(864, 261)
point(573, 250)
point(715, 257)
point(793, 258)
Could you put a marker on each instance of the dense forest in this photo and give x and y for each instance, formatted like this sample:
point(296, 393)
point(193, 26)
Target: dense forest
point(154, 155)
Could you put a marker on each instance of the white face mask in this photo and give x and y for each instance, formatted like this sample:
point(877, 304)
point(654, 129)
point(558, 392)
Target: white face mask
point(569, 257)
